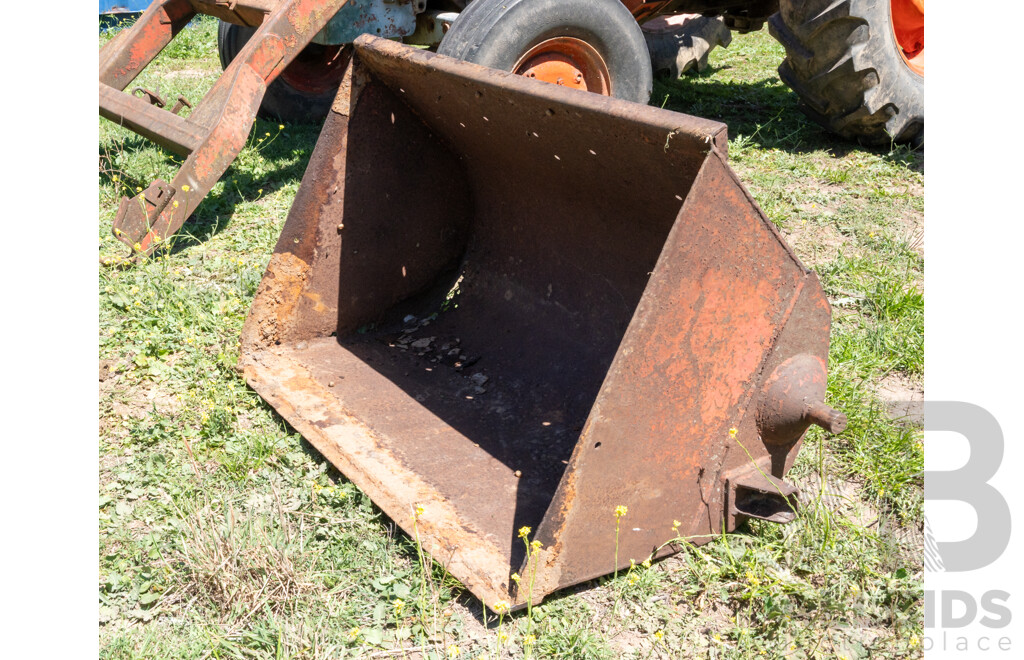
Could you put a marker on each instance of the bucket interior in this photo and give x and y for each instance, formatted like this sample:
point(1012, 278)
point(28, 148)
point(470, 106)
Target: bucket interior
point(488, 257)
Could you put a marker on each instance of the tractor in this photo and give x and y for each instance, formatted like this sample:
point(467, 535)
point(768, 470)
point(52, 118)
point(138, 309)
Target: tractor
point(857, 65)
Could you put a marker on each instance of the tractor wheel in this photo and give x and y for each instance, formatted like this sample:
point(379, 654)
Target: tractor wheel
point(593, 45)
point(303, 92)
point(857, 65)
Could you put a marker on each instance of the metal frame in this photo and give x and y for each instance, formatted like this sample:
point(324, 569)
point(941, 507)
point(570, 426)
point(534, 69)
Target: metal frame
point(217, 129)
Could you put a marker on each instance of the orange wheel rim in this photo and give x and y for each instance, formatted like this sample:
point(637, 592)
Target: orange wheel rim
point(317, 69)
point(568, 62)
point(908, 28)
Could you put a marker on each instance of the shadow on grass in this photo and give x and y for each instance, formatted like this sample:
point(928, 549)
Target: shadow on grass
point(766, 113)
point(284, 162)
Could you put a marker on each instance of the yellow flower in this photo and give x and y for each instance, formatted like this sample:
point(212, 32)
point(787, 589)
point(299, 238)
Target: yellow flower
point(675, 526)
point(647, 563)
point(502, 636)
point(418, 511)
point(453, 650)
point(501, 607)
point(536, 545)
point(175, 203)
point(268, 133)
point(914, 641)
point(524, 532)
point(280, 127)
point(185, 188)
point(529, 639)
point(717, 638)
point(621, 511)
point(138, 248)
point(352, 634)
point(733, 431)
point(633, 580)
point(516, 578)
point(399, 605)
point(659, 634)
point(138, 188)
point(632, 564)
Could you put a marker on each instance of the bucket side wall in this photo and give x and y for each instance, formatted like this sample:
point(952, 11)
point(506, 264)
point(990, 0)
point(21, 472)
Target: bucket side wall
point(382, 210)
point(689, 369)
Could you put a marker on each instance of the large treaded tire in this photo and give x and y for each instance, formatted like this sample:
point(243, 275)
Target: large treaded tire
point(284, 101)
point(843, 61)
point(496, 33)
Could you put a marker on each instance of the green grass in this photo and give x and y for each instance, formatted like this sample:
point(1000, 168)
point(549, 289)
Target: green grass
point(223, 534)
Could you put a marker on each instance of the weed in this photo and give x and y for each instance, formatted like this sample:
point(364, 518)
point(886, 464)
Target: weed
point(620, 512)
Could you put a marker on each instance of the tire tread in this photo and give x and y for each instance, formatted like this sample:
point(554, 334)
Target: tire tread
point(837, 67)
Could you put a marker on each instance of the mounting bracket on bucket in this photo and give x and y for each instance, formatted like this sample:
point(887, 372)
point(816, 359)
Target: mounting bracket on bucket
point(570, 304)
point(753, 492)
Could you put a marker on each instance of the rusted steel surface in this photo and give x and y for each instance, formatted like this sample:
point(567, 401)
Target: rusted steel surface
point(792, 397)
point(643, 10)
point(240, 12)
point(125, 56)
point(216, 130)
point(170, 131)
point(569, 303)
point(751, 491)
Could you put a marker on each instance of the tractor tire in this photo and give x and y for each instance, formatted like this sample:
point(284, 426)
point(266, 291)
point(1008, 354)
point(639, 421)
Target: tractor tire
point(594, 45)
point(302, 93)
point(851, 73)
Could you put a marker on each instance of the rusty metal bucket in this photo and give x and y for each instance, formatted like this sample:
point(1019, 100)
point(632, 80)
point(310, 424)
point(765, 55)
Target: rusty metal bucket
point(516, 305)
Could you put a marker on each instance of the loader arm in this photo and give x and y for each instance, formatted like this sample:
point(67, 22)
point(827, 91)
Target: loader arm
point(217, 129)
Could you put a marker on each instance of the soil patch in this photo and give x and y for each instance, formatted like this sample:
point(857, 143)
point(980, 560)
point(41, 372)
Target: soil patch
point(904, 398)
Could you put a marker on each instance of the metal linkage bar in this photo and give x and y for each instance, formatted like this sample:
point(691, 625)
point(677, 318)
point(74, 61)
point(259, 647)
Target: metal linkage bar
point(213, 134)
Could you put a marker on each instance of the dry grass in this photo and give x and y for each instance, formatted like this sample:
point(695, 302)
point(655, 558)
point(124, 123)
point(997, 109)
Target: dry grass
point(240, 564)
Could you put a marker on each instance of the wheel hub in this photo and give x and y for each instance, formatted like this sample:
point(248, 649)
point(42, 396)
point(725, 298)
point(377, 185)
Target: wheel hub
point(568, 62)
point(316, 69)
point(908, 28)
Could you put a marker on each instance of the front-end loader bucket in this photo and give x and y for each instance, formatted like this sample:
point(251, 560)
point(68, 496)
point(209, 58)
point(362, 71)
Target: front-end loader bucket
point(498, 303)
